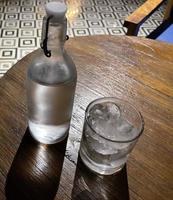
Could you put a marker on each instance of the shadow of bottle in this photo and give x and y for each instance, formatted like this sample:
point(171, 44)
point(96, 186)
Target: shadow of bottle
point(35, 171)
point(90, 186)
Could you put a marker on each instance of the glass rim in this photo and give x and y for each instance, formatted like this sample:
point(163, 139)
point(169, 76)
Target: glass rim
point(108, 139)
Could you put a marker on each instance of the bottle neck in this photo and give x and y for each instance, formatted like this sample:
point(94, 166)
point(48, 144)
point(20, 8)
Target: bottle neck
point(56, 37)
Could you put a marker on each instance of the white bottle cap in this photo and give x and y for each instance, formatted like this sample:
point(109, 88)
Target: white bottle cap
point(57, 10)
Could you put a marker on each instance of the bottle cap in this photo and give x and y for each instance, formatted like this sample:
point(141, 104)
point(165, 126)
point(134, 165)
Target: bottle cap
point(57, 10)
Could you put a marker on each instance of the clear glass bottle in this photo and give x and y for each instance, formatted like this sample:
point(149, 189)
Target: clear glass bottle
point(51, 81)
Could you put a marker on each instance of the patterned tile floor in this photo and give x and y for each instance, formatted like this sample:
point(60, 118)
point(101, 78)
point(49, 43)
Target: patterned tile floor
point(21, 21)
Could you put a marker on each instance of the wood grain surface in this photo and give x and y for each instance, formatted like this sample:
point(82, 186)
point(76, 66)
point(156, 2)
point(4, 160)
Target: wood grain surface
point(168, 10)
point(134, 69)
point(140, 15)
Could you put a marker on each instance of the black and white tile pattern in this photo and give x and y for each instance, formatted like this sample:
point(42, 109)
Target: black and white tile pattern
point(21, 21)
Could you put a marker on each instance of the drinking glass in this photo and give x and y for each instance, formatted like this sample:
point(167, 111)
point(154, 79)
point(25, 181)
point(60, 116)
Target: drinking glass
point(111, 129)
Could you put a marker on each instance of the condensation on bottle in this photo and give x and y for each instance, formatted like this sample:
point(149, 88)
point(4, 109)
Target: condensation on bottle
point(51, 80)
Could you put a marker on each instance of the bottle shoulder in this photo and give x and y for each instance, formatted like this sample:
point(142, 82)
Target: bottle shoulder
point(56, 69)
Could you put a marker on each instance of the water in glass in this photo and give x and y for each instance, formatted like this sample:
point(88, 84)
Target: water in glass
point(103, 148)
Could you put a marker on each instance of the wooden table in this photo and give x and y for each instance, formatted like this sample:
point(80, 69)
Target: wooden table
point(135, 69)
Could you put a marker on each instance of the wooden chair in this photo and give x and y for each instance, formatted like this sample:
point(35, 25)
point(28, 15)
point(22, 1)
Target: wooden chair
point(164, 32)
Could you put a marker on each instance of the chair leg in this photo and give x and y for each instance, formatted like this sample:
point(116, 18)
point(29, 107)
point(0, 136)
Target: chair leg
point(132, 29)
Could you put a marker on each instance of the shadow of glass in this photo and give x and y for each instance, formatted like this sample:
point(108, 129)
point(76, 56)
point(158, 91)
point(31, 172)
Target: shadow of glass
point(90, 186)
point(35, 171)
